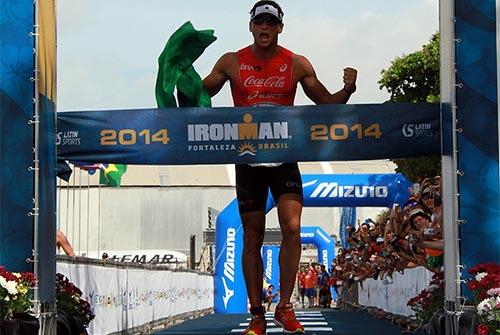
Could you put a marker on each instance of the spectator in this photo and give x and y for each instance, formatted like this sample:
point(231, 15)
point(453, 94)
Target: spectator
point(311, 280)
point(269, 296)
point(325, 296)
point(410, 237)
point(301, 277)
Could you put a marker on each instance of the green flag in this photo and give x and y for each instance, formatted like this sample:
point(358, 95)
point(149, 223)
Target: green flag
point(112, 174)
point(175, 68)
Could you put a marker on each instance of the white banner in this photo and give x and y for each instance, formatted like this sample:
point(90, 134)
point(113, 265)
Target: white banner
point(205, 292)
point(106, 291)
point(126, 298)
point(393, 298)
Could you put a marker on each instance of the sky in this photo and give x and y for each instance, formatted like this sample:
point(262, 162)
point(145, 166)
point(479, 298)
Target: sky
point(107, 50)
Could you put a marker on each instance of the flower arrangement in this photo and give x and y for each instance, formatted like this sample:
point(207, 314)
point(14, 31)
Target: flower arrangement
point(15, 292)
point(429, 300)
point(69, 299)
point(485, 286)
point(16, 296)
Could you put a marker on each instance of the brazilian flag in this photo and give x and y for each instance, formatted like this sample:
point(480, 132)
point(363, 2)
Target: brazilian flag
point(111, 175)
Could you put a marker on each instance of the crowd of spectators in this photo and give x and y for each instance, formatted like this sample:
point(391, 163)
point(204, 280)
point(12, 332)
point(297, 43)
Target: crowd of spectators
point(409, 237)
point(313, 283)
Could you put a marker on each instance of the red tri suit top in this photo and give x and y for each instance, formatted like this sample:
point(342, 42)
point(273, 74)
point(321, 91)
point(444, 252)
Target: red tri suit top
point(266, 82)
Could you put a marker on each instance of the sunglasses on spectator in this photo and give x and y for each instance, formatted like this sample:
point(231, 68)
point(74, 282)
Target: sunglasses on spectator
point(269, 20)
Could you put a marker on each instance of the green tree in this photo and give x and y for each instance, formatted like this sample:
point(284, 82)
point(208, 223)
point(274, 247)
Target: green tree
point(415, 78)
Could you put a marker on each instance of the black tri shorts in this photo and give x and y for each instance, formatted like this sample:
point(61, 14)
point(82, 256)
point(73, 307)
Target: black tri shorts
point(253, 182)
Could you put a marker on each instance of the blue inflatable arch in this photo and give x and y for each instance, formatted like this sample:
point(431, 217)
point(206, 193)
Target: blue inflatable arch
point(333, 190)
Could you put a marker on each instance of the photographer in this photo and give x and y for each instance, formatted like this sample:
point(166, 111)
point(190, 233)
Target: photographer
point(432, 246)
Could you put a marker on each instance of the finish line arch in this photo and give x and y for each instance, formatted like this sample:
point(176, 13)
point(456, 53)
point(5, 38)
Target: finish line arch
point(332, 190)
point(468, 106)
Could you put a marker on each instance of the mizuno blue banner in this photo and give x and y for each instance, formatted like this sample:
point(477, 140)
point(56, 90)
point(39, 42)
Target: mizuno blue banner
point(250, 135)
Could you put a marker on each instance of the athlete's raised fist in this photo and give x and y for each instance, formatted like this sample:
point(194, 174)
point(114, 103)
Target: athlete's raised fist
point(350, 76)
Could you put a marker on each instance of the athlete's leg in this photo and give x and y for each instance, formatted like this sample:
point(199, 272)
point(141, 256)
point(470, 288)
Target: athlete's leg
point(253, 237)
point(251, 190)
point(289, 211)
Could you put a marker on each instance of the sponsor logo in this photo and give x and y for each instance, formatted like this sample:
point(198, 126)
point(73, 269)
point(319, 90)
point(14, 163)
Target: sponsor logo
point(247, 149)
point(283, 67)
point(247, 130)
point(254, 136)
point(228, 293)
point(292, 184)
point(228, 274)
point(68, 138)
point(305, 235)
point(334, 190)
point(325, 258)
point(269, 264)
point(247, 67)
point(267, 95)
point(413, 130)
point(142, 258)
point(270, 82)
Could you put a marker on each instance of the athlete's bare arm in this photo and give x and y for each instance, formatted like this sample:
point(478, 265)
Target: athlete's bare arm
point(315, 90)
point(221, 72)
point(62, 242)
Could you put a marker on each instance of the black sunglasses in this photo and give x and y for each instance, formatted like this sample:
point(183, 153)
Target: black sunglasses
point(269, 20)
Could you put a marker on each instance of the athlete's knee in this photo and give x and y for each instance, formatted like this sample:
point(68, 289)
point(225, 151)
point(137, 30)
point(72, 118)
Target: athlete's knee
point(291, 229)
point(253, 241)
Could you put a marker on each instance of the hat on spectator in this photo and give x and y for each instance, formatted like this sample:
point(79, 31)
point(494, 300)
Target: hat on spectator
point(429, 190)
point(417, 212)
point(369, 224)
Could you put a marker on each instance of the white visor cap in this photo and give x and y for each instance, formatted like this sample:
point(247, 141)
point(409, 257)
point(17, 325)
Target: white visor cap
point(266, 9)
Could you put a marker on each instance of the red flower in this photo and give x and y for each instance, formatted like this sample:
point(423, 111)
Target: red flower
point(483, 330)
point(29, 278)
point(7, 275)
point(473, 285)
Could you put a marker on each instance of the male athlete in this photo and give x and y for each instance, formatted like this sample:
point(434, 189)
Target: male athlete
point(266, 74)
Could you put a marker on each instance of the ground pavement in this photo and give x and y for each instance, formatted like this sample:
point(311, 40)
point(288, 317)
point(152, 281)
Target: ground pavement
point(316, 322)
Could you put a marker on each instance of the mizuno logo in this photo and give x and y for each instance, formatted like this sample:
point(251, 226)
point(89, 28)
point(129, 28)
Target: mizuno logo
point(227, 293)
point(325, 258)
point(269, 264)
point(229, 265)
point(334, 190)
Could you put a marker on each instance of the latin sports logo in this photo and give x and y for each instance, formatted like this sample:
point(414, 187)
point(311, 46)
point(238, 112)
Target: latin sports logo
point(417, 130)
point(68, 138)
